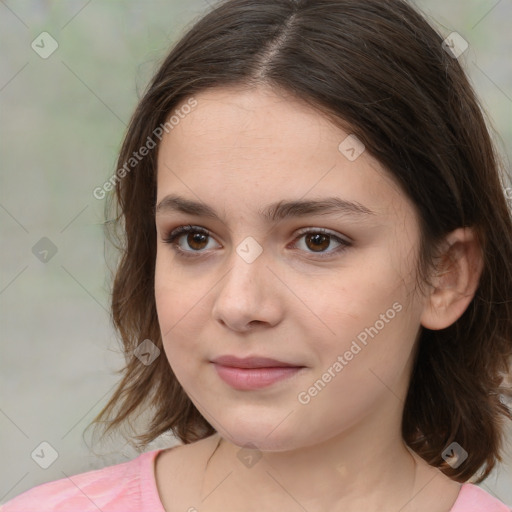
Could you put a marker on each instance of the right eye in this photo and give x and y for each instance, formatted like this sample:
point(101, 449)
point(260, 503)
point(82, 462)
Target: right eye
point(194, 236)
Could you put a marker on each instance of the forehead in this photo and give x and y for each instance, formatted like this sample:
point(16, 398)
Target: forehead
point(244, 147)
point(246, 123)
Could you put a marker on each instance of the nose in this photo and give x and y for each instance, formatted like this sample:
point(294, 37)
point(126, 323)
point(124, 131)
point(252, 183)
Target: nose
point(248, 295)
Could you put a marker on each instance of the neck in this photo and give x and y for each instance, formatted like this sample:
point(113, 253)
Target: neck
point(359, 469)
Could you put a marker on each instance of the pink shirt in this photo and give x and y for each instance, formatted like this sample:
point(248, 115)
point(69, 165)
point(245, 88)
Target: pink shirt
point(131, 487)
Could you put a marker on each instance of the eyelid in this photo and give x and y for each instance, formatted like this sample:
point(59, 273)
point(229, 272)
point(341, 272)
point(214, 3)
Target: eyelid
point(325, 231)
point(345, 242)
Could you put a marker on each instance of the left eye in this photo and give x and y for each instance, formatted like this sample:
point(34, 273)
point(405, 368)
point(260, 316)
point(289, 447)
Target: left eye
point(317, 240)
point(320, 239)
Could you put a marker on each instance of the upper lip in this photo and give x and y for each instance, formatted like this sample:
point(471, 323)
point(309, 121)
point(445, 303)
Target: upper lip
point(252, 362)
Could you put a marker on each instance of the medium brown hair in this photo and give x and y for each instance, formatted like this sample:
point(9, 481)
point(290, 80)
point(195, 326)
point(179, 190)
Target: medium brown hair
point(377, 67)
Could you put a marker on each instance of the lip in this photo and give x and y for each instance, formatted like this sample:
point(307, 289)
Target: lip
point(254, 378)
point(252, 362)
point(253, 372)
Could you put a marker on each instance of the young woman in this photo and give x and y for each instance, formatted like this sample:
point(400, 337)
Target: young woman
point(315, 289)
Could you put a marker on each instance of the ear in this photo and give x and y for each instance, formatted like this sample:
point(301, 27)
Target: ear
point(455, 280)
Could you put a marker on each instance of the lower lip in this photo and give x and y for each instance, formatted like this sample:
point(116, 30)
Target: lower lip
point(254, 378)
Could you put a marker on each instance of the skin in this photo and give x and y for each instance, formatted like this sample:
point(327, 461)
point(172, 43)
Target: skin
point(236, 151)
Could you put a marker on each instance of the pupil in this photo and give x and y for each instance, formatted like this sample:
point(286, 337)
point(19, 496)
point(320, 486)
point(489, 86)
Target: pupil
point(317, 240)
point(197, 238)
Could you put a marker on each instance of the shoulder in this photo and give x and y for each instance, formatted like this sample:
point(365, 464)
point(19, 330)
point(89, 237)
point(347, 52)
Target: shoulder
point(128, 486)
point(474, 499)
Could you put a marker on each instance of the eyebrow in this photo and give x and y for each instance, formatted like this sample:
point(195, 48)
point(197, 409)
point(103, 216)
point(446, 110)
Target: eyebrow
point(273, 212)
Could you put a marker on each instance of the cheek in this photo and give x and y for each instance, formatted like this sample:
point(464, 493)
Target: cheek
point(368, 318)
point(364, 364)
point(179, 330)
point(178, 304)
point(356, 295)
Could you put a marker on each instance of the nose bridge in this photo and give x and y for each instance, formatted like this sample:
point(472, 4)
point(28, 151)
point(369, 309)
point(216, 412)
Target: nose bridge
point(247, 267)
point(244, 292)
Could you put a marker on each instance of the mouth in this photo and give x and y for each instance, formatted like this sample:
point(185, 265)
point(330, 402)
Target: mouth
point(254, 372)
point(253, 362)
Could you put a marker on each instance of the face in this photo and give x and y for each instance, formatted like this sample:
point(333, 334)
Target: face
point(330, 291)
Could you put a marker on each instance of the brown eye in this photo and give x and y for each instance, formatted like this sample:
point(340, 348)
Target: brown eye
point(197, 241)
point(318, 241)
point(192, 241)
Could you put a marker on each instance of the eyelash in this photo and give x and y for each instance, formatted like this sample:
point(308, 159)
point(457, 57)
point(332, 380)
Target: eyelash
point(178, 232)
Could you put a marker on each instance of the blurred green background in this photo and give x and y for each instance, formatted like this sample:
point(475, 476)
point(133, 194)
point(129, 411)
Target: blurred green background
point(62, 121)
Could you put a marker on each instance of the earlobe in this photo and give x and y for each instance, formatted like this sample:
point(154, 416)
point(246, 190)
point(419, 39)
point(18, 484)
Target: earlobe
point(456, 280)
